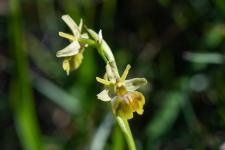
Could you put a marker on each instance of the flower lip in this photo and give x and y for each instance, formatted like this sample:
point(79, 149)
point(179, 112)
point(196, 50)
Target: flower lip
point(124, 106)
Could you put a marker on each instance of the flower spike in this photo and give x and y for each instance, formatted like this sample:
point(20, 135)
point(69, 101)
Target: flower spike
point(120, 92)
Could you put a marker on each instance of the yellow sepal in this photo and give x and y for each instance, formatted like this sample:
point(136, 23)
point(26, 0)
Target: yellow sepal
point(67, 36)
point(125, 73)
point(103, 81)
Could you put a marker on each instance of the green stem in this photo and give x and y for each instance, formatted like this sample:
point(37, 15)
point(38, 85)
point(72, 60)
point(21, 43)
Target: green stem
point(124, 125)
point(93, 44)
point(87, 41)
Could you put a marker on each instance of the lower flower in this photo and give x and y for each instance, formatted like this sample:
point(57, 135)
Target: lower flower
point(122, 93)
point(124, 106)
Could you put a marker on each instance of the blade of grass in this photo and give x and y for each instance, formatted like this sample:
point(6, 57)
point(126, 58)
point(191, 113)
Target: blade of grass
point(20, 89)
point(102, 133)
point(164, 118)
point(56, 94)
point(46, 63)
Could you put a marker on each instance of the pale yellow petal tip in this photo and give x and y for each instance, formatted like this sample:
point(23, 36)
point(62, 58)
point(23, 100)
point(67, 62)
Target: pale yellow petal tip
point(140, 111)
point(58, 54)
point(104, 96)
point(65, 15)
point(67, 72)
point(128, 66)
point(145, 81)
point(78, 60)
point(66, 66)
point(100, 37)
point(98, 79)
point(81, 24)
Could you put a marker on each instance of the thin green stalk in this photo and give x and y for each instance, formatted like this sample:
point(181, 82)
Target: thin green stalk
point(124, 125)
point(87, 41)
point(117, 139)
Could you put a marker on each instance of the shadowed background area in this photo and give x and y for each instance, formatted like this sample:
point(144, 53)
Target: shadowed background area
point(177, 45)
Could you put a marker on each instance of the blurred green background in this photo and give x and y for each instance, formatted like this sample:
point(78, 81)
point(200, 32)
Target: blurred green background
point(178, 45)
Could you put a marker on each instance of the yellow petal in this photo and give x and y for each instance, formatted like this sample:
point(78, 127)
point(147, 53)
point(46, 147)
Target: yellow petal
point(138, 100)
point(81, 24)
point(104, 96)
point(66, 65)
point(78, 60)
point(72, 49)
point(72, 25)
point(100, 38)
point(140, 111)
point(67, 36)
point(125, 73)
point(135, 83)
point(103, 81)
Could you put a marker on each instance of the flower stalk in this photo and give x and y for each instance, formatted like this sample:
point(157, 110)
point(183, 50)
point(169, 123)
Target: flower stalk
point(118, 90)
point(124, 125)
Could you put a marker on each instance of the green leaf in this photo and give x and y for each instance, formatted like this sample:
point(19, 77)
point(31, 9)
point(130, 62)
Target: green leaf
point(165, 116)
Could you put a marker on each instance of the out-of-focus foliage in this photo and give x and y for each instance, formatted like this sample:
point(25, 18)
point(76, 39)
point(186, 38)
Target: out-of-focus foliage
point(177, 45)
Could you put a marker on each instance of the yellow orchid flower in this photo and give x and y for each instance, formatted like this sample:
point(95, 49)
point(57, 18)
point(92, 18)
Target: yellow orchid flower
point(122, 93)
point(73, 53)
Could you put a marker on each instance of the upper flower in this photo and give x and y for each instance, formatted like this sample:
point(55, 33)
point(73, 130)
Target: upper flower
point(73, 53)
point(121, 92)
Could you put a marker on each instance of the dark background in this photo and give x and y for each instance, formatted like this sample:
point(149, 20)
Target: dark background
point(177, 45)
